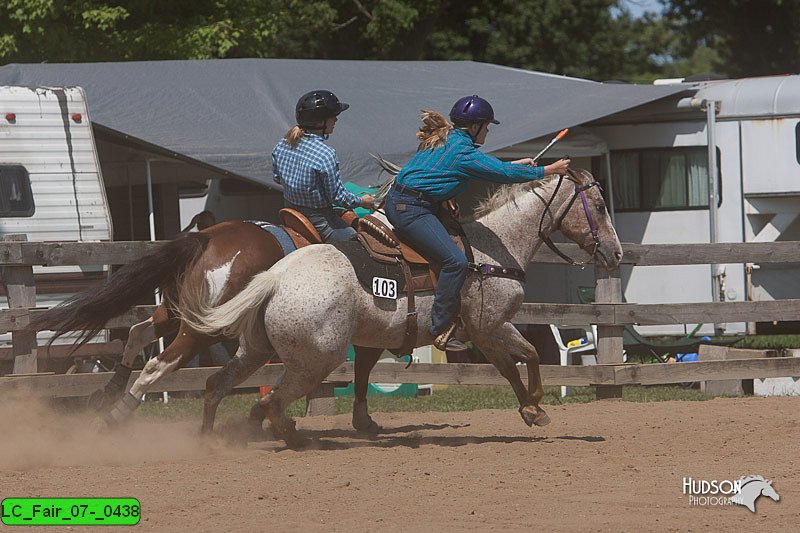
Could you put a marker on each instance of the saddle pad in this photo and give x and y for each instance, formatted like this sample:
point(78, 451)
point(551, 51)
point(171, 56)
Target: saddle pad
point(280, 234)
point(367, 268)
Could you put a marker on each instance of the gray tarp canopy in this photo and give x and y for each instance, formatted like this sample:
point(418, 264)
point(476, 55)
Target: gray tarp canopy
point(230, 113)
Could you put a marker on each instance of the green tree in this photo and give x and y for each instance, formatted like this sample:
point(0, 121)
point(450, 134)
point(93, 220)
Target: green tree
point(94, 30)
point(583, 38)
point(748, 37)
point(593, 39)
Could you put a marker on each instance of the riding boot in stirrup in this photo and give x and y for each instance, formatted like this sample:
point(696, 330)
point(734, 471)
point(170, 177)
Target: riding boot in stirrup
point(444, 341)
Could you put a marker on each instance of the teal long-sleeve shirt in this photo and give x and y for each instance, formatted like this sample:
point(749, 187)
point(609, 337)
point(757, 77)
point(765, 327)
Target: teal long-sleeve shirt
point(442, 173)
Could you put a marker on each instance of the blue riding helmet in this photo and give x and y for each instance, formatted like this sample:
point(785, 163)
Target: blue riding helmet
point(472, 109)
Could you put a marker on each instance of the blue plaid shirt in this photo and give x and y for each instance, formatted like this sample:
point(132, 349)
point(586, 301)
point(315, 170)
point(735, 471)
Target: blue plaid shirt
point(442, 173)
point(310, 174)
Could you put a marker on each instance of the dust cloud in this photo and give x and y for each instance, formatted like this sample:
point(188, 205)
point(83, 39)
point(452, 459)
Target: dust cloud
point(37, 434)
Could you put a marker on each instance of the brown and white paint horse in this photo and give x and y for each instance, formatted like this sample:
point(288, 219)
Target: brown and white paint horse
point(222, 258)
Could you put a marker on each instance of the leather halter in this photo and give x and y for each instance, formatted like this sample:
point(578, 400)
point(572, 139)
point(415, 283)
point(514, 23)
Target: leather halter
point(580, 191)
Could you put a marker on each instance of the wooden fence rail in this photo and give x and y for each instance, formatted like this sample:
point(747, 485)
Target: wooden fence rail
point(62, 385)
point(122, 252)
point(542, 313)
point(17, 258)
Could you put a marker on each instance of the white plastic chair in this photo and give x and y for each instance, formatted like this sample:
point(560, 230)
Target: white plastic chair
point(589, 332)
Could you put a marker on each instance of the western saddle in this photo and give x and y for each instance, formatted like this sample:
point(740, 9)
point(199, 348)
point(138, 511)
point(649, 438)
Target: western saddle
point(383, 246)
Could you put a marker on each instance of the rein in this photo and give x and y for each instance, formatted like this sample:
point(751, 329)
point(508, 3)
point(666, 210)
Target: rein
point(580, 191)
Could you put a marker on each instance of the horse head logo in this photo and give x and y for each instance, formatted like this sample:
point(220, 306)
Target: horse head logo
point(752, 488)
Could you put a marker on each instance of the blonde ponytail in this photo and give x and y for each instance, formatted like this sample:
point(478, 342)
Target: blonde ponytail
point(434, 130)
point(293, 136)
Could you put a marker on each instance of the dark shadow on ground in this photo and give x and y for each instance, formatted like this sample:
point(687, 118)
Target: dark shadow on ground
point(408, 436)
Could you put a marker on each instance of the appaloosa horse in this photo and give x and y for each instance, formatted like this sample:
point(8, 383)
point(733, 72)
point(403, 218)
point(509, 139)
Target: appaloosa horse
point(221, 258)
point(310, 305)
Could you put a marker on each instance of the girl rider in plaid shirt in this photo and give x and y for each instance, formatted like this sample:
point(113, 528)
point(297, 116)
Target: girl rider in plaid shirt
point(309, 171)
point(446, 159)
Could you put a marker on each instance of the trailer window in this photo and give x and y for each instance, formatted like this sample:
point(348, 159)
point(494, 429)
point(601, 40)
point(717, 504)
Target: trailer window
point(16, 198)
point(797, 141)
point(662, 179)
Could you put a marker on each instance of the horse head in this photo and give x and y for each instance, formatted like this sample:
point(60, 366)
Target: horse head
point(586, 221)
point(768, 491)
point(751, 488)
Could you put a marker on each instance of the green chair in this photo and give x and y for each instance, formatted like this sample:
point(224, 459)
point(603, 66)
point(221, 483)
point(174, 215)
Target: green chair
point(646, 349)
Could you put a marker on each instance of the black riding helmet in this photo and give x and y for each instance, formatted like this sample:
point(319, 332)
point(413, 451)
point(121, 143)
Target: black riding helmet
point(315, 107)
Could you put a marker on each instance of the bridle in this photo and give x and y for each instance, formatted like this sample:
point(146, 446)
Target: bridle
point(580, 191)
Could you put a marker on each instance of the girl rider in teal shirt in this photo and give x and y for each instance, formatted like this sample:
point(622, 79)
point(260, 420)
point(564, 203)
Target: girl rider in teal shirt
point(447, 158)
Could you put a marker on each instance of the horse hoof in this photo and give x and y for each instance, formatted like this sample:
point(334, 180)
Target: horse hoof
point(369, 427)
point(542, 420)
point(534, 417)
point(362, 422)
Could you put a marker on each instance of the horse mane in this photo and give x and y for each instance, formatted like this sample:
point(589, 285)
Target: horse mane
point(508, 194)
point(748, 479)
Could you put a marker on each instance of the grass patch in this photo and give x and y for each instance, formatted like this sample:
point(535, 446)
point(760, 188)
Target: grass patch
point(769, 342)
point(457, 398)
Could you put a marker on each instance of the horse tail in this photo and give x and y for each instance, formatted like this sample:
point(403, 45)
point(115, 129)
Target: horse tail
point(89, 311)
point(237, 316)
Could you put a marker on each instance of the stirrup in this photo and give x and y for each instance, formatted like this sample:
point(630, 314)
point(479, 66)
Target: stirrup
point(455, 345)
point(440, 341)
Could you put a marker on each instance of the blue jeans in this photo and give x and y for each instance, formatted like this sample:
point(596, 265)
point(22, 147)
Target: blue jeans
point(414, 220)
point(329, 226)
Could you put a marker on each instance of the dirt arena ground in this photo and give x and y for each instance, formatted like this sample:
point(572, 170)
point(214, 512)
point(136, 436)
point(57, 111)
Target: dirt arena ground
point(603, 466)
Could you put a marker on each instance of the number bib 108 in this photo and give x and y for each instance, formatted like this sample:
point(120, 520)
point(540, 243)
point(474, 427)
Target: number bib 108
point(384, 288)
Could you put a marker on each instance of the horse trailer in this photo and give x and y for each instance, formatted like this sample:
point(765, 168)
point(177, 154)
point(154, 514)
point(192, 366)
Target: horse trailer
point(51, 187)
point(658, 159)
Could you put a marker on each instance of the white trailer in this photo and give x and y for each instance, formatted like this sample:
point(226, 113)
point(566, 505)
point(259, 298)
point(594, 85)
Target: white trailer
point(659, 159)
point(51, 188)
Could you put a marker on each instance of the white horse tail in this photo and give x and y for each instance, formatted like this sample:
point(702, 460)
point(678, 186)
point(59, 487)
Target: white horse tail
point(237, 316)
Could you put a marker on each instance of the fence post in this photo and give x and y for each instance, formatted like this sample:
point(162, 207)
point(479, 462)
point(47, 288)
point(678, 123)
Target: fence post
point(21, 292)
point(608, 289)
